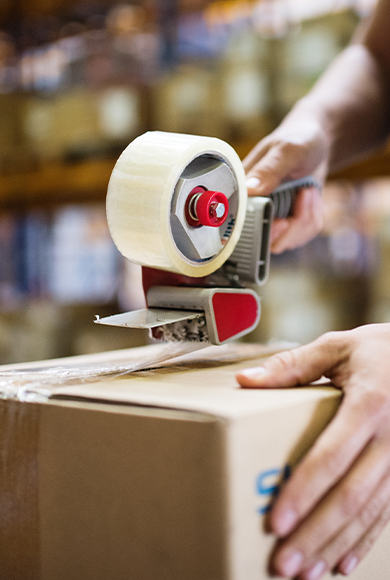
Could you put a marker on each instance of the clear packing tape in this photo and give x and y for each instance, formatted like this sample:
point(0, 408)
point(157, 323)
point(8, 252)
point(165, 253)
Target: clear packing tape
point(39, 381)
point(146, 195)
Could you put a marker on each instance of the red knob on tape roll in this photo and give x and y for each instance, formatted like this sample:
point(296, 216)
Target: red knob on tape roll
point(206, 208)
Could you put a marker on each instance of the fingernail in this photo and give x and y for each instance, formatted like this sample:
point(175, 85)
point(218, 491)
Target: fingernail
point(290, 566)
point(252, 182)
point(254, 372)
point(316, 571)
point(285, 522)
point(348, 565)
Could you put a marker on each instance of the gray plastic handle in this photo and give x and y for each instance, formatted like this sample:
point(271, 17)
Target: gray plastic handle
point(251, 256)
point(283, 196)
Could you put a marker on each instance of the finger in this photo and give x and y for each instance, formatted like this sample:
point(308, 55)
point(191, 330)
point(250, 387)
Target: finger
point(344, 550)
point(298, 366)
point(306, 222)
point(322, 538)
point(278, 229)
point(257, 153)
point(324, 466)
point(371, 523)
point(350, 546)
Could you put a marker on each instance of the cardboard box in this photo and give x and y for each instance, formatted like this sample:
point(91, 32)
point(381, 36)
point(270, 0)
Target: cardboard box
point(164, 473)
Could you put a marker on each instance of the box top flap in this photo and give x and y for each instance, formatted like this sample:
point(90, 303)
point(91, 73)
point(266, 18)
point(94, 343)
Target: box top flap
point(201, 381)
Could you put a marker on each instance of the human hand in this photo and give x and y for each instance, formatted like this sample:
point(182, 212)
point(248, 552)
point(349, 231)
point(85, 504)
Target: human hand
point(295, 149)
point(337, 501)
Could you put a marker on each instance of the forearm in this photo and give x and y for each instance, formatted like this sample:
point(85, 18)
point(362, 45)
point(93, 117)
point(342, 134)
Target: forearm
point(344, 117)
point(351, 102)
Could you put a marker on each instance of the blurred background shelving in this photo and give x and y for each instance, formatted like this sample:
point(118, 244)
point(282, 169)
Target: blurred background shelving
point(79, 80)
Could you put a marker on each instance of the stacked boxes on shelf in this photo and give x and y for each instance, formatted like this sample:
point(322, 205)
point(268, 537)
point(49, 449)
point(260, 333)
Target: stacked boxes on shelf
point(67, 255)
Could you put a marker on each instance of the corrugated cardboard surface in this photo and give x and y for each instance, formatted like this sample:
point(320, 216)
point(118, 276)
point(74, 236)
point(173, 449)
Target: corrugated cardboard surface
point(130, 496)
point(161, 474)
point(19, 491)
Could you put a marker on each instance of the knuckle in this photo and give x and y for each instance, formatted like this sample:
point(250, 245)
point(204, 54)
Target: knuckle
point(370, 512)
point(333, 337)
point(289, 148)
point(269, 165)
point(352, 497)
point(331, 462)
point(286, 364)
point(329, 341)
point(334, 341)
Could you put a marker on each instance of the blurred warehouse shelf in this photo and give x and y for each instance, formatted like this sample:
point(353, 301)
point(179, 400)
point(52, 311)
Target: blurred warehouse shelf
point(85, 181)
point(80, 80)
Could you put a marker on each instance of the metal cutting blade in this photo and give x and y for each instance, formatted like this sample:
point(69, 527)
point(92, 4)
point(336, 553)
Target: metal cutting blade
point(148, 317)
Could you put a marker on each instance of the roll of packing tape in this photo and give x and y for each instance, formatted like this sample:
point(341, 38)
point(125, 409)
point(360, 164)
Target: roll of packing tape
point(150, 205)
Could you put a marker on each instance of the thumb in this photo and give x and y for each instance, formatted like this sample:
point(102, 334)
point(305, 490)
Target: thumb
point(299, 366)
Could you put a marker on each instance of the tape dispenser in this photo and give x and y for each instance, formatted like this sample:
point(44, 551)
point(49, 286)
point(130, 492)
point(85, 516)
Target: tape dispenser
point(178, 206)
